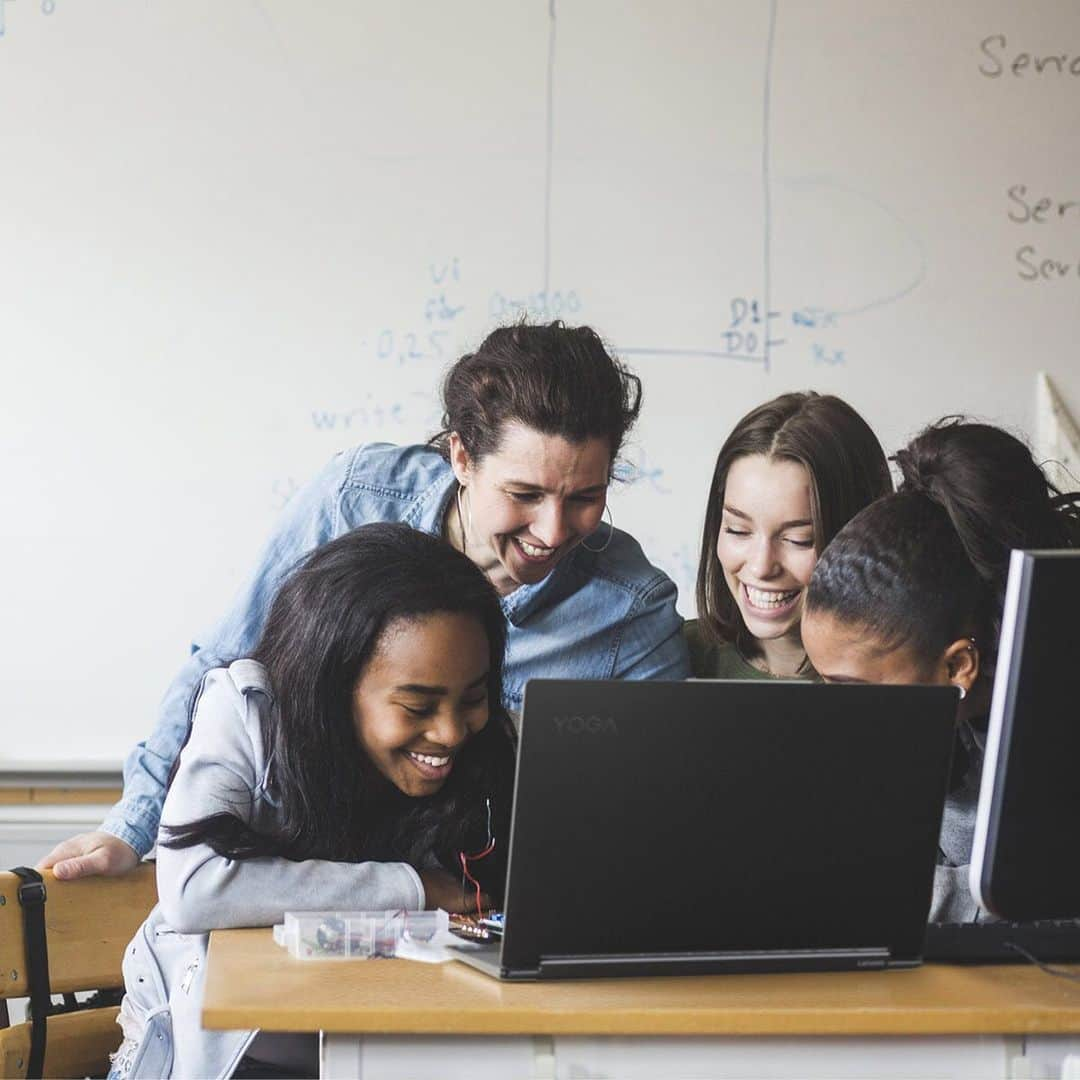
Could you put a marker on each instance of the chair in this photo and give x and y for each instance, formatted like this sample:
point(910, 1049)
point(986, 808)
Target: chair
point(88, 923)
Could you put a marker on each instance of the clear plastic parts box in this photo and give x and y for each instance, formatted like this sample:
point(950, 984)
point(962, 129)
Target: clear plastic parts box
point(363, 935)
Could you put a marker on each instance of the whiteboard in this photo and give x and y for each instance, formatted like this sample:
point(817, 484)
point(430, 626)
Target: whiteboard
point(237, 236)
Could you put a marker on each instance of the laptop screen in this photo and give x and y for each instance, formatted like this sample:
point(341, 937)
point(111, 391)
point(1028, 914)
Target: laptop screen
point(656, 817)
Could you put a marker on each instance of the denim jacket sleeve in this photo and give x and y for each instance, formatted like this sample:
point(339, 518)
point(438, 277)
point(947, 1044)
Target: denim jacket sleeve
point(223, 770)
point(653, 645)
point(310, 519)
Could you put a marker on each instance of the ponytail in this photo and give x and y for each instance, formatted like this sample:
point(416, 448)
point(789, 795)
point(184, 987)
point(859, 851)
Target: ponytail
point(996, 496)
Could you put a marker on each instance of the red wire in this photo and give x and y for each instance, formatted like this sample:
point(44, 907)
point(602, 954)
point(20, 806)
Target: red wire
point(465, 860)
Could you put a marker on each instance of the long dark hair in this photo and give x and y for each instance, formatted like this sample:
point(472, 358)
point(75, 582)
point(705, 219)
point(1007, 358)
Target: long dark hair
point(323, 627)
point(555, 379)
point(847, 470)
point(928, 565)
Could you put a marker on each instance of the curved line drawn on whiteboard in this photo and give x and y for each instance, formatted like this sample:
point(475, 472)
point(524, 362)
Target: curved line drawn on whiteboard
point(883, 219)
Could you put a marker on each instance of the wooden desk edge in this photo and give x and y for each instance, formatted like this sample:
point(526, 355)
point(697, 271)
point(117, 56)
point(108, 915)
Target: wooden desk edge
point(1015, 1000)
point(59, 796)
point(647, 1023)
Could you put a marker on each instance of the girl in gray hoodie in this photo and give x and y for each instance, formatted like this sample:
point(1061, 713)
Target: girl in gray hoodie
point(349, 763)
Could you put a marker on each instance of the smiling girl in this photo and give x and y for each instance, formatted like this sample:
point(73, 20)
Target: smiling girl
point(348, 764)
point(912, 590)
point(790, 474)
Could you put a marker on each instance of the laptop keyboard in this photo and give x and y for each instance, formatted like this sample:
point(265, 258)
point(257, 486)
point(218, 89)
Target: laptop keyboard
point(1053, 941)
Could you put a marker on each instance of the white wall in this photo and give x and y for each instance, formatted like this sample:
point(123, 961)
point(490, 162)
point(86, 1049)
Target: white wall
point(237, 236)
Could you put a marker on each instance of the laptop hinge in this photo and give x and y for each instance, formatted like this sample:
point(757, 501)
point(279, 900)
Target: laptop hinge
point(712, 963)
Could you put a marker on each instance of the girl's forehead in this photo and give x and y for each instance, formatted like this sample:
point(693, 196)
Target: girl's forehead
point(440, 649)
point(757, 484)
point(852, 651)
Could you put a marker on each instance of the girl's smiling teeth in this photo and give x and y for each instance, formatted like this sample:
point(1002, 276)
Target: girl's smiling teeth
point(430, 759)
point(431, 766)
point(769, 599)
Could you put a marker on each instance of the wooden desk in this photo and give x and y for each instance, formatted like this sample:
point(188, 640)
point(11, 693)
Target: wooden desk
point(399, 1018)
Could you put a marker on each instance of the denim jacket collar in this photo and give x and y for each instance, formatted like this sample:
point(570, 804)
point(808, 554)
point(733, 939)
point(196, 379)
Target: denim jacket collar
point(429, 509)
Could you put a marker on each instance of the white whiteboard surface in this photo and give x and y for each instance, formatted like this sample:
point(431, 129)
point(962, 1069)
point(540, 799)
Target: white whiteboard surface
point(237, 236)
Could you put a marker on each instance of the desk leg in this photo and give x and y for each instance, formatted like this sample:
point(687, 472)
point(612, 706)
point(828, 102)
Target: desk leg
point(435, 1057)
point(339, 1055)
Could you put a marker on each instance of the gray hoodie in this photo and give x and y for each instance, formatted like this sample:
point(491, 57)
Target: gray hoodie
point(224, 768)
point(952, 900)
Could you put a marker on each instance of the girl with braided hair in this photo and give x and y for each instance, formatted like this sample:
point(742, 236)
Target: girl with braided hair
point(911, 591)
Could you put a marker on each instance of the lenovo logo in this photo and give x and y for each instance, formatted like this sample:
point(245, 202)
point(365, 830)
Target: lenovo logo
point(586, 725)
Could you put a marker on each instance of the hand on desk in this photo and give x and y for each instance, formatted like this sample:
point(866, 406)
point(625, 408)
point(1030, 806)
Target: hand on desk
point(88, 854)
point(443, 890)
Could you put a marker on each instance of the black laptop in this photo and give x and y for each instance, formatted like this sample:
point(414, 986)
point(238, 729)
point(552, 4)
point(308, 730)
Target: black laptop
point(713, 826)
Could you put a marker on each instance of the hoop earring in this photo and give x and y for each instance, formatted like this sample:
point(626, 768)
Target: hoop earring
point(461, 519)
point(610, 533)
point(963, 692)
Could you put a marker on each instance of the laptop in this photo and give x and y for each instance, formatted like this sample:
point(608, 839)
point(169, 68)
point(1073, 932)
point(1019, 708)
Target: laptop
point(715, 826)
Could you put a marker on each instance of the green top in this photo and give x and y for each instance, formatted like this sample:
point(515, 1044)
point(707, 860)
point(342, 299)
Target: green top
point(710, 660)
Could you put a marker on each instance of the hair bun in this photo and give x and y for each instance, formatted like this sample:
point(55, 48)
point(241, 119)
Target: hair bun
point(920, 473)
